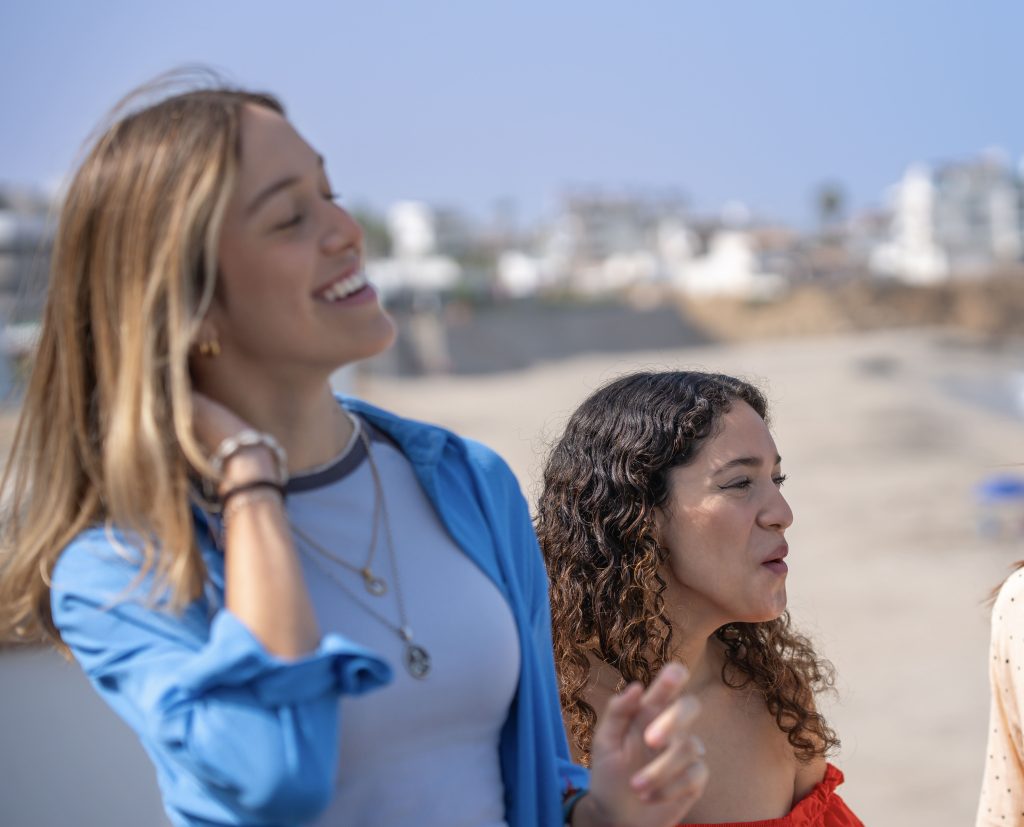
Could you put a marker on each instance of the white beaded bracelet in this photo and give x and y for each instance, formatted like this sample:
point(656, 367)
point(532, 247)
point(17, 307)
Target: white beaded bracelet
point(250, 439)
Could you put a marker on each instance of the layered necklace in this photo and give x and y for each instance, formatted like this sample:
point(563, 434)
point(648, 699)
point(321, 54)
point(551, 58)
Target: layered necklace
point(417, 659)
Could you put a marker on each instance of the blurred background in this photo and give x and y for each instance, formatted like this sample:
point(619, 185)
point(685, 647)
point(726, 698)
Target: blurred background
point(824, 197)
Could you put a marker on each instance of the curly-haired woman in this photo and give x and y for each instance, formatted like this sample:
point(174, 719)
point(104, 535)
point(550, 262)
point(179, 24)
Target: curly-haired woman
point(663, 526)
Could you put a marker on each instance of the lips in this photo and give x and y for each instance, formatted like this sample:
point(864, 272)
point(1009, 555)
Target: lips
point(777, 561)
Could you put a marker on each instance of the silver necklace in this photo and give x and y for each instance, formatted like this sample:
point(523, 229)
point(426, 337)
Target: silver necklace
point(373, 583)
point(417, 659)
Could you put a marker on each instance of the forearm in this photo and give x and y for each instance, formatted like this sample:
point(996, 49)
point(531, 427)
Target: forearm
point(265, 587)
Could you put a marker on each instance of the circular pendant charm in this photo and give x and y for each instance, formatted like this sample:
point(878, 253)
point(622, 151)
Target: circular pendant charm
point(417, 661)
point(374, 585)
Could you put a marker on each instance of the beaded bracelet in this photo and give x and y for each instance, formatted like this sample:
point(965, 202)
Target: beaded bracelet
point(250, 439)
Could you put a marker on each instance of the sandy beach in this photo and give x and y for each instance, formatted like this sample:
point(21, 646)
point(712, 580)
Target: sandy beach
point(883, 445)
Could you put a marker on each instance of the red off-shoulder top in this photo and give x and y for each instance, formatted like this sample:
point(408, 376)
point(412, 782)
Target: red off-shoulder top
point(821, 807)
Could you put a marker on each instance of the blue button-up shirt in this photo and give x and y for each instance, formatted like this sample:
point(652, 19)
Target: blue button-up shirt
point(239, 736)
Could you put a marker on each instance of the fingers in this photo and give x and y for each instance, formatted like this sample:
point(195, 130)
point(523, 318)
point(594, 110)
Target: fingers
point(676, 770)
point(619, 716)
point(666, 688)
point(634, 709)
point(672, 723)
point(681, 780)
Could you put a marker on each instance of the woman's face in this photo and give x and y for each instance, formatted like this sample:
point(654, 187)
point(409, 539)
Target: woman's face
point(292, 295)
point(723, 525)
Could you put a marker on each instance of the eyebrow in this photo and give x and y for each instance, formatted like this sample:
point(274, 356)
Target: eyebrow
point(272, 189)
point(744, 462)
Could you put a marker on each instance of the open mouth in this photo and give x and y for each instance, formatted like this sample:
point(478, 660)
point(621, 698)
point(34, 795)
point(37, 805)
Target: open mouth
point(343, 288)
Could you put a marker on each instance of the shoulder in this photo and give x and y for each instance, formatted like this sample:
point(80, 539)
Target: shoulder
point(434, 444)
point(1008, 618)
point(1008, 608)
point(104, 565)
point(808, 776)
point(487, 460)
point(97, 557)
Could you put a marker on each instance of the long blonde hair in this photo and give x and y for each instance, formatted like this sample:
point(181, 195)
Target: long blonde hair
point(105, 431)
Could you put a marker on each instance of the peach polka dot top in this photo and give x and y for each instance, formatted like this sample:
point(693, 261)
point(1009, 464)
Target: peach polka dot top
point(1002, 789)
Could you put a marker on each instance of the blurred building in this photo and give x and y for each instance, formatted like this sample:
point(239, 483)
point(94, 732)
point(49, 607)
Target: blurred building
point(978, 214)
point(415, 264)
point(600, 244)
point(26, 239)
point(960, 220)
point(606, 242)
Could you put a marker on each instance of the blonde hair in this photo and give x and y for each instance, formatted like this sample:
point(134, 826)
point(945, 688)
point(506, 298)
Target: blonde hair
point(105, 431)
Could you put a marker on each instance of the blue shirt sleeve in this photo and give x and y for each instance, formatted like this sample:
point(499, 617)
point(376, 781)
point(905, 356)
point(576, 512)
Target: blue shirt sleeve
point(236, 733)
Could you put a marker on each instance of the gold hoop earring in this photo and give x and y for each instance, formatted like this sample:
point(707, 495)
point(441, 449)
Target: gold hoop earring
point(210, 349)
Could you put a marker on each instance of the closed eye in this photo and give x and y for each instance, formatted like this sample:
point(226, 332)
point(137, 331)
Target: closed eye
point(294, 221)
point(742, 484)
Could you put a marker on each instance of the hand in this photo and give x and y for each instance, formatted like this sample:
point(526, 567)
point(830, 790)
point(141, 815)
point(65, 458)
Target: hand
point(646, 767)
point(213, 423)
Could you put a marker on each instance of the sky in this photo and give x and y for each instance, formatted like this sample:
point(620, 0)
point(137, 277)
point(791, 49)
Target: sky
point(482, 106)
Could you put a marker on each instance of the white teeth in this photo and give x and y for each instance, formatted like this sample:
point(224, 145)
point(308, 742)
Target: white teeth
point(344, 288)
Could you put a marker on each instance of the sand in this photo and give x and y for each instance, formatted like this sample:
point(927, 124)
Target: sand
point(888, 570)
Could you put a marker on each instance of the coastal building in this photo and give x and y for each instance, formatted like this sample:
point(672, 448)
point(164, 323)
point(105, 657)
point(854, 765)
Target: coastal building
point(415, 264)
point(734, 263)
point(608, 242)
point(960, 220)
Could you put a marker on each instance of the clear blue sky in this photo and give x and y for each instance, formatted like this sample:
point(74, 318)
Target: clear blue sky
point(464, 103)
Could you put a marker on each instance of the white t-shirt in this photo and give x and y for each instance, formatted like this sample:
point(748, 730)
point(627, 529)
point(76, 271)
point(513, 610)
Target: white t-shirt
point(420, 752)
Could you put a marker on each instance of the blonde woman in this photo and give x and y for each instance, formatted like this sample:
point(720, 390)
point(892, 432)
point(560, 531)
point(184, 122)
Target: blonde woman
point(308, 609)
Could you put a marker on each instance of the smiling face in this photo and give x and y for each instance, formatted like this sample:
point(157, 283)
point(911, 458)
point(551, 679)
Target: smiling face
point(723, 525)
point(292, 298)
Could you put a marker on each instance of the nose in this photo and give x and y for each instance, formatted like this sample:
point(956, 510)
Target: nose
point(776, 513)
point(341, 232)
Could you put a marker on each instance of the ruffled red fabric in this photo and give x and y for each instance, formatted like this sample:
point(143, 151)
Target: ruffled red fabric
point(821, 807)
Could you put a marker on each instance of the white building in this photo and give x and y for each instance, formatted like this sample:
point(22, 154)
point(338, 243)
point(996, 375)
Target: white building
point(731, 266)
point(961, 220)
point(415, 264)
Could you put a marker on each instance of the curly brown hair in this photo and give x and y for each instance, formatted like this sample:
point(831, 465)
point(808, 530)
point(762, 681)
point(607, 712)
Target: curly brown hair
point(603, 482)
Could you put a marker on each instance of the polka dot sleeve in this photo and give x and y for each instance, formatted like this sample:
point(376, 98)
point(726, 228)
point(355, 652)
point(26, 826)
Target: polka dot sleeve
point(1002, 791)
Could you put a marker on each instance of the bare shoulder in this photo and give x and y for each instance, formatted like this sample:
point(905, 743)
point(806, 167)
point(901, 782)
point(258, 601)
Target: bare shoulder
point(808, 775)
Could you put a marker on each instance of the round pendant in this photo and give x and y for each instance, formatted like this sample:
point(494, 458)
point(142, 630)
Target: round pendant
point(417, 661)
point(374, 585)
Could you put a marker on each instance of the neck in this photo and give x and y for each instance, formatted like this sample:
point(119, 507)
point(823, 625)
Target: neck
point(702, 656)
point(307, 420)
point(693, 637)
